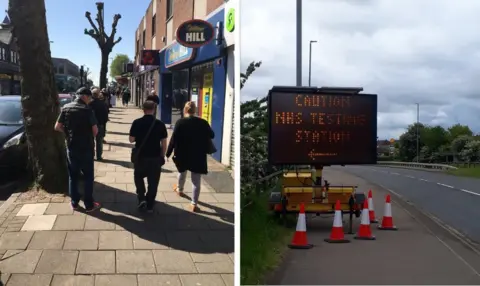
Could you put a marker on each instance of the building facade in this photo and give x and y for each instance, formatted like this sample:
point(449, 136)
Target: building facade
point(9, 61)
point(204, 74)
point(67, 75)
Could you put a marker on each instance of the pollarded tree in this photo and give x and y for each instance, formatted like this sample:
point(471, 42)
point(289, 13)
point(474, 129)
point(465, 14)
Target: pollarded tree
point(104, 41)
point(39, 95)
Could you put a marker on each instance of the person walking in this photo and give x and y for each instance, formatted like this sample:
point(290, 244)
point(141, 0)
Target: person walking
point(77, 121)
point(126, 97)
point(100, 110)
point(191, 141)
point(150, 137)
point(154, 97)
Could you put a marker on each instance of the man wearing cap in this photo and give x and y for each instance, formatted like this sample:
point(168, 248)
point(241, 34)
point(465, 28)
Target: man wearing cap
point(77, 121)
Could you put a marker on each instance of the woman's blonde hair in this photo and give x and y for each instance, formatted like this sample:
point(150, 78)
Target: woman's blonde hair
point(190, 108)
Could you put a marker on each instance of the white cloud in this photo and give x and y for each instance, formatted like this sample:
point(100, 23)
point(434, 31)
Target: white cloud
point(405, 51)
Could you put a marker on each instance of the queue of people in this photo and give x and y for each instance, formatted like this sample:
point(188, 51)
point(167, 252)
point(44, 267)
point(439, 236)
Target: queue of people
point(83, 122)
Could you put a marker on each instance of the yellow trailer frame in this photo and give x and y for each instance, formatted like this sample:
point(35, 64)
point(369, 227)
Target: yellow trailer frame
point(305, 186)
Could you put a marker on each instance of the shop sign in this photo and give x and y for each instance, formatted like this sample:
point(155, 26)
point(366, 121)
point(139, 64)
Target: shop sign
point(195, 33)
point(230, 25)
point(176, 54)
point(150, 58)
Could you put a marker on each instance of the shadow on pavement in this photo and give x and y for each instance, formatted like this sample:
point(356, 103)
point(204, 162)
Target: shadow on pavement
point(129, 165)
point(117, 133)
point(208, 231)
point(119, 122)
point(121, 144)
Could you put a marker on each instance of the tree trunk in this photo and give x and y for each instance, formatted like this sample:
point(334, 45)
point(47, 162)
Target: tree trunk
point(104, 69)
point(39, 96)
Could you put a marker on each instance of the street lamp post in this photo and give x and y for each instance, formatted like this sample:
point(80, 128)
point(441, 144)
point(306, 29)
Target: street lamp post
point(310, 65)
point(299, 42)
point(418, 131)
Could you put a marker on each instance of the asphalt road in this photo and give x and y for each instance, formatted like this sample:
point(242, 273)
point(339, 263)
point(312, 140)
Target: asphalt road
point(421, 252)
point(454, 200)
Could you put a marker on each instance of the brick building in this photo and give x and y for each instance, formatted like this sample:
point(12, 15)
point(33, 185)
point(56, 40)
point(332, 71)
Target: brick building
point(203, 74)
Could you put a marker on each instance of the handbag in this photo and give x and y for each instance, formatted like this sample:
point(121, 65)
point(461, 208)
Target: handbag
point(135, 151)
point(211, 147)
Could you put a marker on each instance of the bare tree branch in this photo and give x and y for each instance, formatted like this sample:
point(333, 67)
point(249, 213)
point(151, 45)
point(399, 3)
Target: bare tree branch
point(116, 17)
point(91, 33)
point(117, 41)
point(89, 17)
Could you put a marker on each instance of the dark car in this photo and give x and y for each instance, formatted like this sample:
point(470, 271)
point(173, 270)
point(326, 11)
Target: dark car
point(13, 150)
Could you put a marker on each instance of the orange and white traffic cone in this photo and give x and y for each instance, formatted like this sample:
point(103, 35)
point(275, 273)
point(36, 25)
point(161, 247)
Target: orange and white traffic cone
point(371, 210)
point(387, 221)
point(337, 235)
point(365, 232)
point(299, 240)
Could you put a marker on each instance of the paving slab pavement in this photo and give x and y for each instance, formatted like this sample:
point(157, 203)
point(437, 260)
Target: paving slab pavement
point(44, 242)
point(420, 252)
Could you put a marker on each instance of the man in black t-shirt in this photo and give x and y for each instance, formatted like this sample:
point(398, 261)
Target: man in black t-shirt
point(151, 157)
point(77, 121)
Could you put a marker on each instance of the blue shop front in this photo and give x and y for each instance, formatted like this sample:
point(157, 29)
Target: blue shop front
point(196, 74)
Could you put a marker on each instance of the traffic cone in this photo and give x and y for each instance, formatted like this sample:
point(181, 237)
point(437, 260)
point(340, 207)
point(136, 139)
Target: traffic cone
point(387, 221)
point(299, 240)
point(337, 235)
point(371, 210)
point(365, 232)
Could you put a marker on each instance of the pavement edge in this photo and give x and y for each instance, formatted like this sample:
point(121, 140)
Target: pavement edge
point(10, 201)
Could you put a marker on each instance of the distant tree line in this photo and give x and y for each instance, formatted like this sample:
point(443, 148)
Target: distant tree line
point(456, 143)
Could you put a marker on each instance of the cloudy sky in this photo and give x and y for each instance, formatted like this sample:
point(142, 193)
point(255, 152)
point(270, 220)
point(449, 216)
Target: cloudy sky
point(406, 51)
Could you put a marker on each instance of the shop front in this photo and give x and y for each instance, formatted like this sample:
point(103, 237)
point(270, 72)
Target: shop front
point(196, 72)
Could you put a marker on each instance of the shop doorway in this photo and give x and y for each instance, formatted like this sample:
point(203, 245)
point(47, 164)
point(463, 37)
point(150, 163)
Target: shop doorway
point(179, 93)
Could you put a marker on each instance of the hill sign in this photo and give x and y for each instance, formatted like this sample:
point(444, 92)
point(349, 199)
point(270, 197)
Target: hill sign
point(195, 33)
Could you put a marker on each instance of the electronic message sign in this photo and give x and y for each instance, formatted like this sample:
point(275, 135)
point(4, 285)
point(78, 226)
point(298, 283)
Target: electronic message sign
point(315, 127)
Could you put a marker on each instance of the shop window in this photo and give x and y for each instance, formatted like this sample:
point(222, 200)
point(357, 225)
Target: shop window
point(169, 9)
point(202, 89)
point(154, 24)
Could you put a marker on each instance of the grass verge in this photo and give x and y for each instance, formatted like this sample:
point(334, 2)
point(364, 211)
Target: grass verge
point(473, 172)
point(263, 241)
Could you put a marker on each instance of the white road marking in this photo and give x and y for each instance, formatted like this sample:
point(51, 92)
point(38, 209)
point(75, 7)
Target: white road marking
point(448, 186)
point(424, 180)
point(411, 177)
point(469, 192)
point(395, 174)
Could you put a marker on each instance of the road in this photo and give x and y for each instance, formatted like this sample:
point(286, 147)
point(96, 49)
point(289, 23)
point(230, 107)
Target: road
point(454, 200)
point(421, 252)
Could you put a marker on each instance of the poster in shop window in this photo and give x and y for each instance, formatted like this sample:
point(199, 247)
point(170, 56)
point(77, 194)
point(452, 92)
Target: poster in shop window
point(207, 95)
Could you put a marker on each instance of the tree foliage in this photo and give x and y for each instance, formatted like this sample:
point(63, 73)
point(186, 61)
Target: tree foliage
point(254, 143)
point(116, 67)
point(104, 41)
point(40, 106)
point(437, 144)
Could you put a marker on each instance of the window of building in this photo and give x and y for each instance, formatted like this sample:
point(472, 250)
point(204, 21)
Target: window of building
point(169, 9)
point(61, 69)
point(143, 39)
point(3, 54)
point(154, 24)
point(11, 56)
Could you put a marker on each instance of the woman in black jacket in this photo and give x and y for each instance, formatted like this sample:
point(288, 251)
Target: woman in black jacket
point(190, 143)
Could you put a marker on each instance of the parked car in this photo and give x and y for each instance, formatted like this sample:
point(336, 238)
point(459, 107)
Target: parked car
point(13, 150)
point(13, 147)
point(64, 98)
